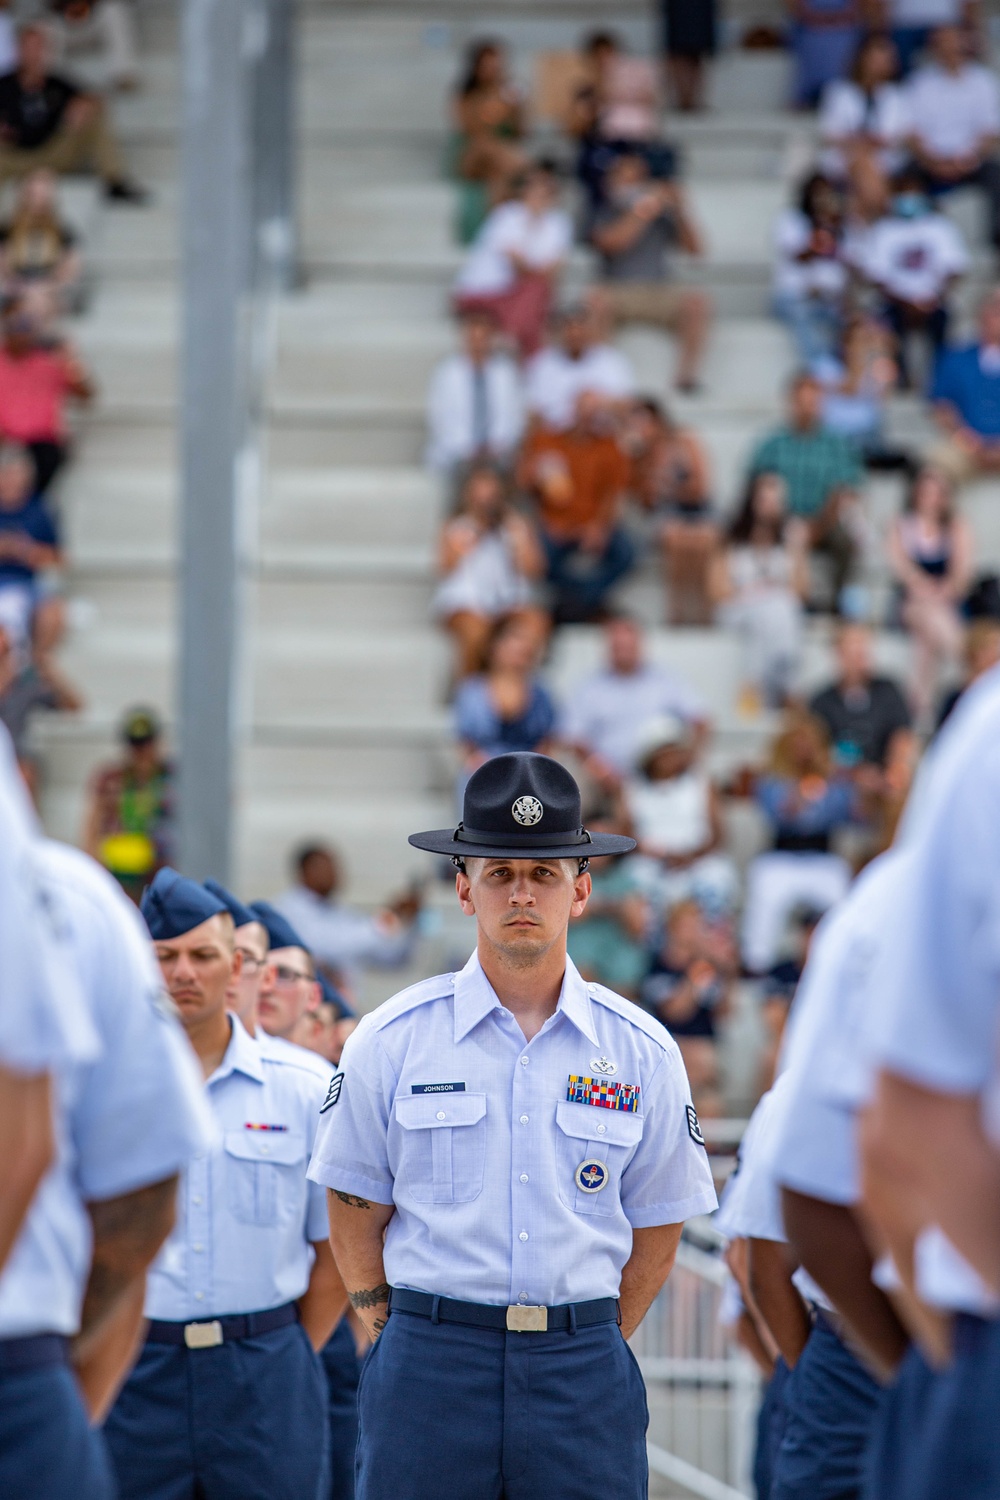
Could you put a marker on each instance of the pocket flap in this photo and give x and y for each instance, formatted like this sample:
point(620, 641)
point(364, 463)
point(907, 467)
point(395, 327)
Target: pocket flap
point(437, 1111)
point(286, 1147)
point(589, 1122)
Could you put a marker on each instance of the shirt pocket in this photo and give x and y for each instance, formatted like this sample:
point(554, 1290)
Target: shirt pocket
point(585, 1133)
point(265, 1175)
point(443, 1145)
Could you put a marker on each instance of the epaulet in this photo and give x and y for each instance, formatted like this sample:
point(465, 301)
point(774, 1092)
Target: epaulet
point(634, 1014)
point(439, 987)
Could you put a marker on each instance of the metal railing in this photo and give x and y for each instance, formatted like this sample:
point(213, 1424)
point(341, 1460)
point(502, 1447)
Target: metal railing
point(703, 1391)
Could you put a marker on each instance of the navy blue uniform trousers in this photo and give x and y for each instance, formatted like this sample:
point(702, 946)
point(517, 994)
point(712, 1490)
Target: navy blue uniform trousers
point(770, 1429)
point(482, 1414)
point(342, 1368)
point(246, 1420)
point(937, 1436)
point(830, 1403)
point(48, 1450)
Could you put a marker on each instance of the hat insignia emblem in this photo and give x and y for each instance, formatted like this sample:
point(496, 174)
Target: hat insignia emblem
point(527, 811)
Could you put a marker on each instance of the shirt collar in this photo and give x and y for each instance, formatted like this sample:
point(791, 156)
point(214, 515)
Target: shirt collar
point(243, 1055)
point(475, 998)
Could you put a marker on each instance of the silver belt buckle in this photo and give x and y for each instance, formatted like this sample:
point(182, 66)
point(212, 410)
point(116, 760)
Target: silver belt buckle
point(521, 1319)
point(203, 1335)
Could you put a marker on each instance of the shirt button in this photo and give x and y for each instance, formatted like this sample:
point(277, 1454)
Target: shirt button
point(197, 1249)
point(264, 1150)
point(522, 1296)
point(524, 1119)
point(524, 1176)
point(523, 1235)
point(441, 1115)
point(602, 1130)
point(196, 1202)
point(199, 1296)
point(524, 1062)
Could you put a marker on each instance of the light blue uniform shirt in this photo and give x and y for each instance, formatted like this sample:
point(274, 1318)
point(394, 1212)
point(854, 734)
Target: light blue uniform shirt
point(937, 982)
point(44, 1023)
point(938, 1018)
point(751, 1204)
point(247, 1217)
point(445, 1111)
point(813, 1144)
point(127, 1118)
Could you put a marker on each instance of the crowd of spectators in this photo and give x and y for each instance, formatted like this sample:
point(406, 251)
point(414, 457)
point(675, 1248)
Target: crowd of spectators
point(56, 73)
point(565, 478)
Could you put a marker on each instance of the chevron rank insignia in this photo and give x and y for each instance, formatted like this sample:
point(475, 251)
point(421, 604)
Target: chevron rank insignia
point(604, 1093)
point(332, 1093)
point(694, 1127)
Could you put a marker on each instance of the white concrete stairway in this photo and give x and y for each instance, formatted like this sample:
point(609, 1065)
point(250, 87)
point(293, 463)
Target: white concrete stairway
point(346, 732)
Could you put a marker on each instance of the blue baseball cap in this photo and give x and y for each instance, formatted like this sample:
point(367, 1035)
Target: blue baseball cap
point(172, 905)
point(241, 915)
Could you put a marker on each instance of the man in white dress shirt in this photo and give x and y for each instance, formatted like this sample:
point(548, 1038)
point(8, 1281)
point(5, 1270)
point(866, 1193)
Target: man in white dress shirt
point(577, 361)
point(607, 713)
point(343, 937)
point(475, 403)
point(955, 113)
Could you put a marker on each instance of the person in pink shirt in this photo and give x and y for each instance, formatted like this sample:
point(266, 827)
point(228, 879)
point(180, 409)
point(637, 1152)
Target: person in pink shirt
point(37, 376)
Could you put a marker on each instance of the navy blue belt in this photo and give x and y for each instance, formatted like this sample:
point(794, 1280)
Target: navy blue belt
point(517, 1318)
point(33, 1353)
point(215, 1331)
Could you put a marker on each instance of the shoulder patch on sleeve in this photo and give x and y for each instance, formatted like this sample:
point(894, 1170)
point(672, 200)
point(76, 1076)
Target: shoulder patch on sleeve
point(332, 1093)
point(694, 1128)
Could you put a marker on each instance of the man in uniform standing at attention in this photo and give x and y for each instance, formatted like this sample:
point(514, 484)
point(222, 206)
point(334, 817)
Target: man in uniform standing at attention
point(127, 1121)
point(527, 1146)
point(227, 1399)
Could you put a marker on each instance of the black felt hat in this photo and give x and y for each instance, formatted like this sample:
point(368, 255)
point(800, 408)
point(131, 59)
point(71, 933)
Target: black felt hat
point(522, 806)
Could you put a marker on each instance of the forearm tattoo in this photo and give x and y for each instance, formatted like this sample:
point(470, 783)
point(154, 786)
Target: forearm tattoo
point(351, 1200)
point(370, 1297)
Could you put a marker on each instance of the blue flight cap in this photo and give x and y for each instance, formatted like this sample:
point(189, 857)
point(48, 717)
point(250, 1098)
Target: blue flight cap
point(173, 905)
point(241, 915)
point(333, 997)
point(280, 932)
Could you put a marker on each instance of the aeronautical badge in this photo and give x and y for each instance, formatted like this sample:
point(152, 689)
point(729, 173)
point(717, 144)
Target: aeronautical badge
point(527, 811)
point(591, 1176)
point(604, 1065)
point(332, 1093)
point(694, 1129)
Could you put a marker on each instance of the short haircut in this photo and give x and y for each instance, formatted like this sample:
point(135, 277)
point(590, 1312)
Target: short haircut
point(305, 852)
point(799, 379)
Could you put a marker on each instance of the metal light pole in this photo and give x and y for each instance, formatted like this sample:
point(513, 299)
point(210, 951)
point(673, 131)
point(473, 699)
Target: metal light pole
point(238, 244)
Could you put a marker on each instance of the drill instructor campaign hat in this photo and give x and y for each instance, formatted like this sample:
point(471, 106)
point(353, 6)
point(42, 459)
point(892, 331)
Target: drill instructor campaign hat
point(522, 806)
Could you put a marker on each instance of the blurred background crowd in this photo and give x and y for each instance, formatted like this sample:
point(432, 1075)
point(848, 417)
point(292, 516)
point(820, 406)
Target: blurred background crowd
point(742, 661)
